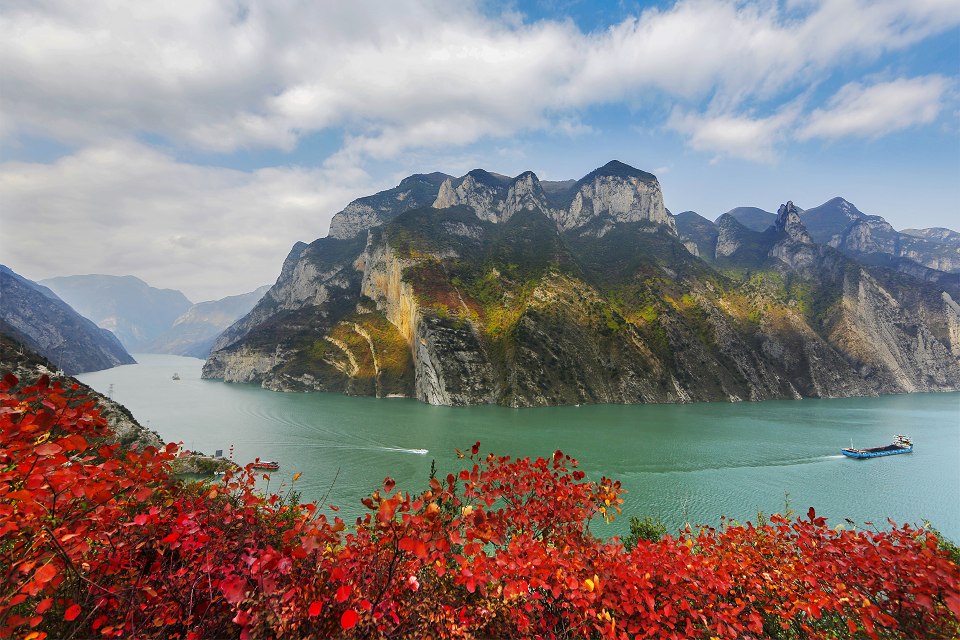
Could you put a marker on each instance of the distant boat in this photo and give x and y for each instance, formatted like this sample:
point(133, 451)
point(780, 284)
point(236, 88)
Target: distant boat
point(901, 444)
point(176, 376)
point(266, 464)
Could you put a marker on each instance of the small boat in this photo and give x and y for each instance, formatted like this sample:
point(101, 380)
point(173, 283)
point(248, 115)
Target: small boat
point(901, 444)
point(176, 376)
point(266, 464)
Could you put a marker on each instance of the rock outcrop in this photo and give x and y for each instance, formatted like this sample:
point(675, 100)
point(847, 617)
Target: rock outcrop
point(493, 198)
point(618, 193)
point(934, 234)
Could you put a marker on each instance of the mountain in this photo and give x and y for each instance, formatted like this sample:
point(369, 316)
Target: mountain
point(134, 311)
point(194, 333)
point(44, 323)
point(753, 218)
point(418, 190)
point(871, 238)
point(697, 234)
point(615, 192)
point(934, 234)
point(503, 291)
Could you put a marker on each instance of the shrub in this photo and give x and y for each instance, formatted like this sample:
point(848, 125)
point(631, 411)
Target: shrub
point(106, 544)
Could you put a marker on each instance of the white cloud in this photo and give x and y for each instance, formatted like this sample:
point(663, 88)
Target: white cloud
point(402, 75)
point(738, 136)
point(879, 109)
point(399, 80)
point(125, 209)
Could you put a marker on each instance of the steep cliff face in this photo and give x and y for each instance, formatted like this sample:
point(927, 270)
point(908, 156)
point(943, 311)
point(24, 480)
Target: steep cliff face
point(887, 337)
point(498, 294)
point(317, 285)
point(729, 236)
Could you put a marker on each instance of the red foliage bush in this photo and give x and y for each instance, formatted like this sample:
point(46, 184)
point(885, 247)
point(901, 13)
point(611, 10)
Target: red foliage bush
point(99, 542)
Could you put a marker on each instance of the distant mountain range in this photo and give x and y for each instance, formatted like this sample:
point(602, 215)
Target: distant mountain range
point(150, 320)
point(194, 333)
point(490, 289)
point(871, 239)
point(33, 315)
point(133, 310)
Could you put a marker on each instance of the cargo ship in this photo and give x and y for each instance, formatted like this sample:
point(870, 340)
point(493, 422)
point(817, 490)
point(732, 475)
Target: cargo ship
point(901, 444)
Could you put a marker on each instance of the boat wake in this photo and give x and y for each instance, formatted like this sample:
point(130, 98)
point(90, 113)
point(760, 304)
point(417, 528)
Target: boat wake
point(421, 452)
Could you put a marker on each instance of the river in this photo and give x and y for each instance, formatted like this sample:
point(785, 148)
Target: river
point(680, 463)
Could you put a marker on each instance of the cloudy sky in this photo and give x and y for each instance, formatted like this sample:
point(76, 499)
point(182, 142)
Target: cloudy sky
point(192, 142)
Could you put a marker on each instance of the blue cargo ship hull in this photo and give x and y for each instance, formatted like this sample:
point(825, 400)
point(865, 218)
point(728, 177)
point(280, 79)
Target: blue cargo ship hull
point(876, 452)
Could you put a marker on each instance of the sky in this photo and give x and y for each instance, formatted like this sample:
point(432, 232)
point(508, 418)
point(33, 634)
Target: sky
point(191, 143)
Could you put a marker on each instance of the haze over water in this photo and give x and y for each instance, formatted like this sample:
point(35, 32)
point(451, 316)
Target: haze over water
point(682, 463)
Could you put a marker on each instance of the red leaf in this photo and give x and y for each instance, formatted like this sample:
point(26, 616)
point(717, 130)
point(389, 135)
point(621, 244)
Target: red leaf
point(343, 592)
point(44, 605)
point(143, 494)
point(48, 449)
point(349, 619)
point(234, 590)
point(72, 612)
point(141, 519)
point(45, 573)
point(315, 608)
point(953, 601)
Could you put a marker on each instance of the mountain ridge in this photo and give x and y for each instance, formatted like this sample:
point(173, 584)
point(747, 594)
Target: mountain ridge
point(487, 297)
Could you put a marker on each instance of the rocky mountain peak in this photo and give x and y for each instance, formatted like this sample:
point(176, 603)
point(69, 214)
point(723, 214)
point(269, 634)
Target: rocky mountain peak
point(788, 220)
point(619, 192)
point(730, 236)
point(493, 198)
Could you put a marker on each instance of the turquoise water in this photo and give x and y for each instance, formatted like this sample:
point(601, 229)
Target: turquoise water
point(681, 463)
